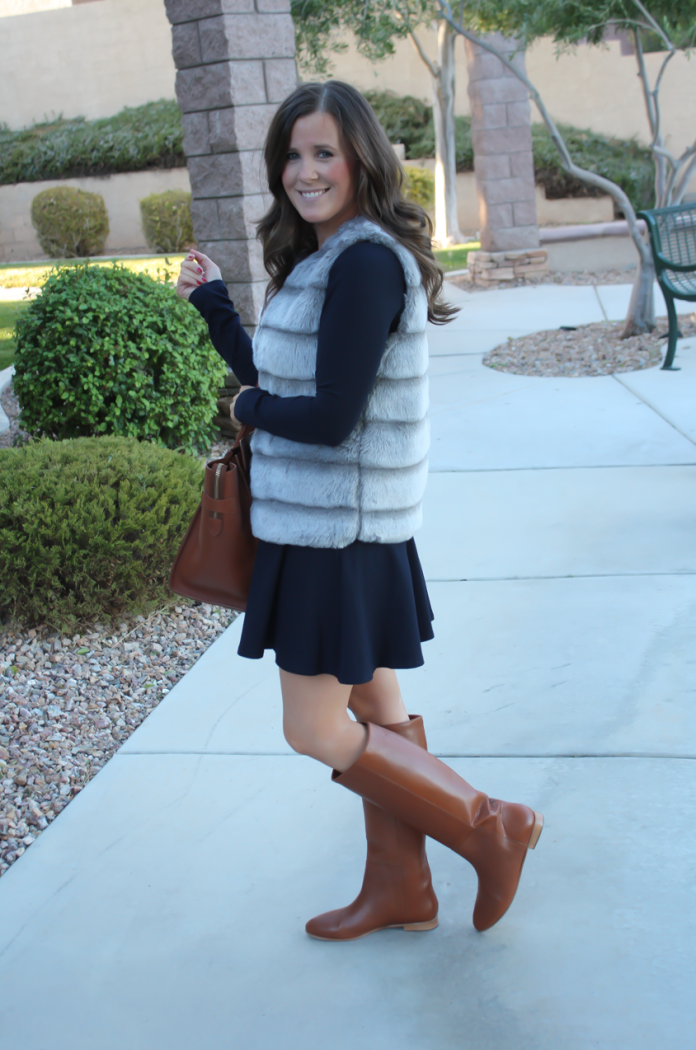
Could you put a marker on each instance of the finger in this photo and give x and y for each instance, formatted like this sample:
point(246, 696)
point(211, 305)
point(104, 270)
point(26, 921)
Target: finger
point(200, 258)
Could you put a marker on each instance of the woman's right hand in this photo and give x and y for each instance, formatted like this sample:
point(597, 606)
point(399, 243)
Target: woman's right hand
point(196, 269)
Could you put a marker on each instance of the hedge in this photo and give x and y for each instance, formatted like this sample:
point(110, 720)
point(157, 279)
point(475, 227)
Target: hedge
point(149, 136)
point(89, 528)
point(624, 161)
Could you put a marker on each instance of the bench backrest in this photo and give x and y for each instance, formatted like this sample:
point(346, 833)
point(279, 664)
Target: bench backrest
point(673, 233)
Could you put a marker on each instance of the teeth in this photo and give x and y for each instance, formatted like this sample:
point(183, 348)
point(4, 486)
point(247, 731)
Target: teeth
point(312, 193)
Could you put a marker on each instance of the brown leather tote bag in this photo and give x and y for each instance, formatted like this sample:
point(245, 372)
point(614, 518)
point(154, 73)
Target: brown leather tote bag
point(216, 558)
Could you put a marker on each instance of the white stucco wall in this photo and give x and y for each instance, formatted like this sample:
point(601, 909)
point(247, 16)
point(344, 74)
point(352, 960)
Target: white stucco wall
point(9, 8)
point(593, 88)
point(122, 195)
point(90, 60)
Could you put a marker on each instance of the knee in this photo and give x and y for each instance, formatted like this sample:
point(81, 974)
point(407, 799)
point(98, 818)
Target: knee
point(297, 737)
point(362, 707)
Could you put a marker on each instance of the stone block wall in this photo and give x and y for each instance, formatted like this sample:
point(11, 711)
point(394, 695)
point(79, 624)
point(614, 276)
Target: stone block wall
point(492, 268)
point(235, 62)
point(503, 162)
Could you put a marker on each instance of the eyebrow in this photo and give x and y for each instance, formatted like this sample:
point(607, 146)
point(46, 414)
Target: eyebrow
point(318, 145)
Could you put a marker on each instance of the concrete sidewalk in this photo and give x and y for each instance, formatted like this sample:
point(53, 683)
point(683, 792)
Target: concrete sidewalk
point(164, 908)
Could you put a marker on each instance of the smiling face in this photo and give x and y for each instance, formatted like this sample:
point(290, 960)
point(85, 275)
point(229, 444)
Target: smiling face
point(318, 174)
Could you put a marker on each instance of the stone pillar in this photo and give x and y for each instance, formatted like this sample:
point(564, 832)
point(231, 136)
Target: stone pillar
point(235, 62)
point(504, 167)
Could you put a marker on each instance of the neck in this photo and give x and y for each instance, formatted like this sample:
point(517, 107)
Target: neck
point(326, 229)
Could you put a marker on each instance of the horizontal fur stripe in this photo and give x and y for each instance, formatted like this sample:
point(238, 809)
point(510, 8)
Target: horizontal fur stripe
point(271, 446)
point(287, 387)
point(310, 483)
point(395, 527)
point(392, 490)
point(303, 526)
point(398, 400)
point(393, 445)
point(405, 356)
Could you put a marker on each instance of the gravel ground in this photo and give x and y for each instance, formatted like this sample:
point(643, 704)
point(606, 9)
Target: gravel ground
point(552, 277)
point(589, 350)
point(11, 405)
point(67, 704)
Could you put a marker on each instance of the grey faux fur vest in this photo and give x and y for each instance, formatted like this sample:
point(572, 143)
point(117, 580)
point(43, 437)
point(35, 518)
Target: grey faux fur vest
point(370, 487)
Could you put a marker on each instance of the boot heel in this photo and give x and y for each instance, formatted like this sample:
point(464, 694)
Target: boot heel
point(431, 924)
point(536, 830)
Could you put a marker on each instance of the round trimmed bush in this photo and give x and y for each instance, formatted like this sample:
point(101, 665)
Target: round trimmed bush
point(70, 223)
point(103, 350)
point(419, 186)
point(167, 222)
point(89, 528)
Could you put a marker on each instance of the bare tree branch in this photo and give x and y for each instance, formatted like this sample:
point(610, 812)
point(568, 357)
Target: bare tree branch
point(689, 166)
point(655, 26)
point(645, 84)
point(590, 177)
point(663, 67)
point(432, 66)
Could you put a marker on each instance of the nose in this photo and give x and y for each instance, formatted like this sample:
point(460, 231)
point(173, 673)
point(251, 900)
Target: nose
point(307, 170)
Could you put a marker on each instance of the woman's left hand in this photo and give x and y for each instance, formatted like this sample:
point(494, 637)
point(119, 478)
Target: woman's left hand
point(234, 402)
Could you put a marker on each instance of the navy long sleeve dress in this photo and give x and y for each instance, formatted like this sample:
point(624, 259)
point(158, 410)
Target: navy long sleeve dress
point(339, 611)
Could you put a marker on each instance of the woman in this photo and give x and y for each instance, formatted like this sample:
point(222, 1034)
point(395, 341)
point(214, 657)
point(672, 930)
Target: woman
point(336, 388)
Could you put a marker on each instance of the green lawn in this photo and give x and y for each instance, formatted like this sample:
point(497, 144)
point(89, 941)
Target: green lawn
point(455, 258)
point(34, 275)
point(9, 312)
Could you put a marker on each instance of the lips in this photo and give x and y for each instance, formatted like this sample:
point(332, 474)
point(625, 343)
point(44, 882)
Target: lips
point(313, 195)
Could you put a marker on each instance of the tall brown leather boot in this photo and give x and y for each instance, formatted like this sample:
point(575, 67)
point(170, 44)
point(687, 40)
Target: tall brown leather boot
point(397, 888)
point(420, 790)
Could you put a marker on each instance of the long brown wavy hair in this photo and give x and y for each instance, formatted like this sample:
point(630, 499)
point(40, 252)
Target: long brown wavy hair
point(284, 234)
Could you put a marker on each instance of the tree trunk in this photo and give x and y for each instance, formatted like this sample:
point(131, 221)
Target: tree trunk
point(446, 219)
point(641, 309)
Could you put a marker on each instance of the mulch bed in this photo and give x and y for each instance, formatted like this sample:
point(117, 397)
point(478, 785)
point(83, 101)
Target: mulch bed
point(589, 350)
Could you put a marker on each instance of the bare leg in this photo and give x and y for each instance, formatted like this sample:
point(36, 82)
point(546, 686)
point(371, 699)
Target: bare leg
point(379, 701)
point(316, 720)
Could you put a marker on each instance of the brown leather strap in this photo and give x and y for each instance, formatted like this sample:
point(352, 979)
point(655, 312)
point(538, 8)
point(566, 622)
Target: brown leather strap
point(245, 431)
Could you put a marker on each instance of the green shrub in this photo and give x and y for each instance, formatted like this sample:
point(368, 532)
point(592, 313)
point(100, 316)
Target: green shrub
point(419, 186)
point(89, 528)
point(107, 351)
point(167, 222)
point(624, 161)
point(408, 120)
point(405, 119)
point(149, 136)
point(70, 223)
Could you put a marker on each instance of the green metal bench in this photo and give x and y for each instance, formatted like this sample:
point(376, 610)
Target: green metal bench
point(673, 242)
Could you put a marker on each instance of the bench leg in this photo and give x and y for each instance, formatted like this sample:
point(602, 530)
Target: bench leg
point(673, 333)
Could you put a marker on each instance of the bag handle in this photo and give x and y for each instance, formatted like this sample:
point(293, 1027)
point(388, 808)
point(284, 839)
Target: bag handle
point(245, 431)
point(238, 448)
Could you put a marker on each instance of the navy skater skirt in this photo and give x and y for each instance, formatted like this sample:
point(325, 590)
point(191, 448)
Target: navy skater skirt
point(342, 612)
